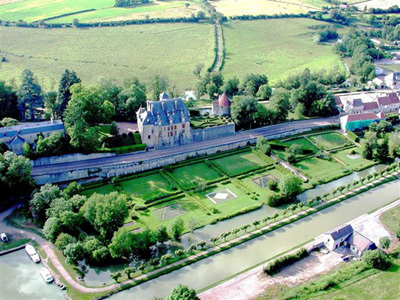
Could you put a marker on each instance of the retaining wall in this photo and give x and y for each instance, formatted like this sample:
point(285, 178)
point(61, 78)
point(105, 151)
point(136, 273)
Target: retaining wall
point(43, 161)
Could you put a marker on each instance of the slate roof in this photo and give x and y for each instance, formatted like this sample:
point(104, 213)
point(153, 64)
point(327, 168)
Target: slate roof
point(357, 102)
point(370, 106)
point(341, 232)
point(165, 112)
point(362, 117)
point(31, 128)
point(16, 140)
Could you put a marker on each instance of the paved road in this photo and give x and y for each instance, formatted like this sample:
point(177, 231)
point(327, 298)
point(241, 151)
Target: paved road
point(267, 131)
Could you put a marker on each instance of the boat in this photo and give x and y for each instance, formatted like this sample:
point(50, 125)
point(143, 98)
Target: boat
point(47, 277)
point(32, 253)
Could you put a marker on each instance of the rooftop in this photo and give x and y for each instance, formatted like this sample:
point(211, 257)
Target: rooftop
point(362, 117)
point(29, 128)
point(340, 232)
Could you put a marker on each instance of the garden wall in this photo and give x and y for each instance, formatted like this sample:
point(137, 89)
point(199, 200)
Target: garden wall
point(43, 161)
point(209, 133)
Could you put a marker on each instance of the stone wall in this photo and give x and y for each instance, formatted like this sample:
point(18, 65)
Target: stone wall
point(43, 161)
point(209, 133)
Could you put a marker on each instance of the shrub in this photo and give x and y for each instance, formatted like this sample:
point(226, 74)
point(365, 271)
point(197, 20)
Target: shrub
point(384, 242)
point(376, 259)
point(352, 152)
point(351, 135)
point(63, 240)
point(284, 261)
point(273, 185)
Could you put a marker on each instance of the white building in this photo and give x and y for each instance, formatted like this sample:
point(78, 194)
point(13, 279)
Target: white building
point(393, 80)
point(164, 123)
point(15, 136)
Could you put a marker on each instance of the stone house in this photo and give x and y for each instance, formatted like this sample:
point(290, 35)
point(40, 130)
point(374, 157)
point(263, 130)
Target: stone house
point(222, 106)
point(393, 80)
point(16, 136)
point(164, 123)
point(389, 103)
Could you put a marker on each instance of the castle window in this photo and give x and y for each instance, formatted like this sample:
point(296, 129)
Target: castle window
point(175, 126)
point(149, 137)
point(183, 125)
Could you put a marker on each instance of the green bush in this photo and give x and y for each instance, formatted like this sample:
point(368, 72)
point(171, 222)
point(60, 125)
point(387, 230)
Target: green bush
point(376, 259)
point(284, 261)
point(351, 135)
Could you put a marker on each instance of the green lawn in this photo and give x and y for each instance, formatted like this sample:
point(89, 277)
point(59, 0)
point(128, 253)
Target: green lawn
point(263, 192)
point(141, 188)
point(330, 140)
point(356, 163)
point(104, 10)
point(391, 219)
point(277, 48)
point(303, 142)
point(188, 176)
point(240, 163)
point(117, 53)
point(320, 169)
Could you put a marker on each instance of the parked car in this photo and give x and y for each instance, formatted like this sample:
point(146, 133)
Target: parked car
point(347, 257)
point(4, 237)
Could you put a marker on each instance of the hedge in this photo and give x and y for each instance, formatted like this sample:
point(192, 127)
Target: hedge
point(352, 136)
point(284, 261)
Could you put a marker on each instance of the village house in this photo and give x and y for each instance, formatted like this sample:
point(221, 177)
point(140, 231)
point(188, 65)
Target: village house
point(16, 136)
point(348, 237)
point(359, 121)
point(222, 106)
point(164, 123)
point(393, 80)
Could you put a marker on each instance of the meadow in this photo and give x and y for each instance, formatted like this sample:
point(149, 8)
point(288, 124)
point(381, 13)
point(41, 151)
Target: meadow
point(101, 10)
point(276, 48)
point(117, 53)
point(330, 141)
point(266, 7)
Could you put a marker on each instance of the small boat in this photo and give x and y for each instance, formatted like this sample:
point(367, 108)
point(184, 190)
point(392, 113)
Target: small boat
point(32, 253)
point(47, 277)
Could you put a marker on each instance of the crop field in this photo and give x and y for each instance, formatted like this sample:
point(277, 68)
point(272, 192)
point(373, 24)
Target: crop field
point(188, 176)
point(118, 53)
point(266, 7)
point(277, 48)
point(321, 169)
point(240, 163)
point(331, 140)
point(100, 10)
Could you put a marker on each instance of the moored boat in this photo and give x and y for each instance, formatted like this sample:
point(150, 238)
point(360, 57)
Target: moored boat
point(32, 253)
point(46, 275)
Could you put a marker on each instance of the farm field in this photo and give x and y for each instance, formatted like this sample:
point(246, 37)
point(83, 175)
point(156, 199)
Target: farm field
point(329, 141)
point(391, 219)
point(102, 10)
point(266, 7)
point(276, 48)
point(118, 53)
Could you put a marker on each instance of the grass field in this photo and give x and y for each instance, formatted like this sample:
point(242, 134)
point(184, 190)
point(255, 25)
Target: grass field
point(264, 192)
point(187, 176)
point(329, 141)
point(391, 219)
point(355, 163)
point(266, 7)
point(141, 188)
point(276, 48)
point(104, 10)
point(393, 68)
point(303, 142)
point(118, 53)
point(239, 163)
point(320, 169)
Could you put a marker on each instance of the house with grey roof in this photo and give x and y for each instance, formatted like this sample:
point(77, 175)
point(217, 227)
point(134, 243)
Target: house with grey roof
point(15, 136)
point(348, 237)
point(164, 123)
point(393, 80)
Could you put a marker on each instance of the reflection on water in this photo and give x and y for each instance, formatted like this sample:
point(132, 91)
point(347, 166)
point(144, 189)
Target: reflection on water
point(20, 279)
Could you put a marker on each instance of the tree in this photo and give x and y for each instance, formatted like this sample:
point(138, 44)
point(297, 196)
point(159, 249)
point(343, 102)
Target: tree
point(63, 240)
point(256, 223)
point(162, 234)
point(68, 79)
point(74, 252)
point(176, 229)
point(114, 130)
point(165, 258)
point(290, 186)
point(8, 102)
point(231, 87)
point(273, 185)
point(115, 276)
point(42, 199)
point(106, 212)
point(394, 144)
point(376, 259)
point(50, 103)
point(245, 227)
point(29, 96)
point(55, 144)
point(264, 92)
point(52, 228)
point(252, 83)
point(280, 103)
point(197, 70)
point(235, 231)
point(382, 150)
point(368, 144)
point(384, 242)
point(179, 252)
point(160, 84)
point(243, 111)
point(182, 292)
point(263, 145)
point(8, 122)
point(121, 244)
point(128, 271)
point(130, 99)
point(72, 189)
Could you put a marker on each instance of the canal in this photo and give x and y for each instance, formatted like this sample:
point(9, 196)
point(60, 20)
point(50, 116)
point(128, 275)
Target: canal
point(20, 279)
point(223, 265)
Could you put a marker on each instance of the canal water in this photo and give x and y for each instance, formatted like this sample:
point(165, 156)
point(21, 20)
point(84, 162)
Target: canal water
point(223, 265)
point(20, 279)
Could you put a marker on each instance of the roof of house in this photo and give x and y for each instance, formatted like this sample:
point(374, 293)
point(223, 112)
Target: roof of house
point(357, 102)
point(338, 101)
point(360, 242)
point(390, 98)
point(224, 100)
point(370, 106)
point(362, 117)
point(165, 112)
point(16, 140)
point(30, 128)
point(164, 96)
point(341, 232)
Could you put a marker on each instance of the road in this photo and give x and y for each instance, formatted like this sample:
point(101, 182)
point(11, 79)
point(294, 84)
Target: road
point(267, 131)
